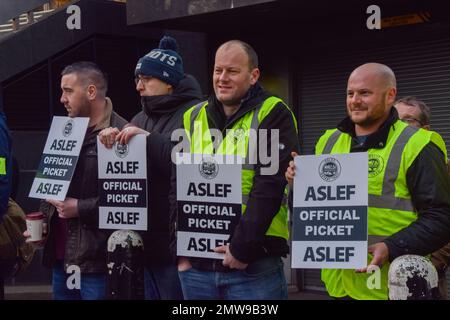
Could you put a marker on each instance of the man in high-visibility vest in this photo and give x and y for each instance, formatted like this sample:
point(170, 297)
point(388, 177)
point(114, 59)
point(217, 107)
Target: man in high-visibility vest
point(407, 172)
point(252, 267)
point(416, 113)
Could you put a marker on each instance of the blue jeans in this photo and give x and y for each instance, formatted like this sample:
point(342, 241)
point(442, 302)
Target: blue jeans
point(92, 285)
point(162, 283)
point(261, 280)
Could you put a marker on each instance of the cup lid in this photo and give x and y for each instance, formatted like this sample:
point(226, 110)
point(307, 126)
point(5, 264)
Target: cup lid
point(35, 216)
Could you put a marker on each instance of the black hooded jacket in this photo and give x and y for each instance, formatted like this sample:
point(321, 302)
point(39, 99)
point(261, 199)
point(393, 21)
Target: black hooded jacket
point(160, 116)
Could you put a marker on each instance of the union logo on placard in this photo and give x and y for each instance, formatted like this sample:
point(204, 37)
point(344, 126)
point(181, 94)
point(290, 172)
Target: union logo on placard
point(329, 169)
point(208, 168)
point(376, 165)
point(121, 150)
point(67, 129)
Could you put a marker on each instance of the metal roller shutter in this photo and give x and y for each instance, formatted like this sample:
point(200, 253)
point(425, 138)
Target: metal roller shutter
point(422, 68)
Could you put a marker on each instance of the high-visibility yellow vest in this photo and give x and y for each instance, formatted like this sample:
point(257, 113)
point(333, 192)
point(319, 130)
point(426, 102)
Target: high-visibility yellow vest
point(236, 142)
point(390, 208)
point(2, 166)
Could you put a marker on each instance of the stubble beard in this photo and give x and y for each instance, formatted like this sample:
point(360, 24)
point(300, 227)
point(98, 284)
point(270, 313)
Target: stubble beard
point(365, 122)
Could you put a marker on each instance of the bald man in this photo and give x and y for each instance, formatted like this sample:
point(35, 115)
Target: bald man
point(407, 170)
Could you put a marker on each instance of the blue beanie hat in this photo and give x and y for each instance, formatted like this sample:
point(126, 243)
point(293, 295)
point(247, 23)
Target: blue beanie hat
point(163, 63)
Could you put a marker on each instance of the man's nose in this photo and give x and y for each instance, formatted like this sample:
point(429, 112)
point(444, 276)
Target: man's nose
point(223, 76)
point(356, 98)
point(139, 86)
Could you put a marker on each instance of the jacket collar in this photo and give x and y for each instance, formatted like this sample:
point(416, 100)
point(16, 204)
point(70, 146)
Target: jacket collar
point(187, 90)
point(106, 120)
point(376, 140)
point(252, 99)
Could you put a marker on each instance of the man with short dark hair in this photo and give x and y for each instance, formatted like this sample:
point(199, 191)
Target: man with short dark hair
point(74, 238)
point(415, 112)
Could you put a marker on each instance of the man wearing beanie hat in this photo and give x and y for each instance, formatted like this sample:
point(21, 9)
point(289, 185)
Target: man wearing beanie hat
point(163, 63)
point(166, 93)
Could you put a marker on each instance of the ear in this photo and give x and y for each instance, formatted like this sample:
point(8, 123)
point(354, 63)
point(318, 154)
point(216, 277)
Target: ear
point(169, 88)
point(254, 76)
point(91, 92)
point(390, 97)
point(426, 127)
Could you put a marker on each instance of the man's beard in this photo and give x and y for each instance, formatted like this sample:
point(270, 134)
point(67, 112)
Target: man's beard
point(371, 118)
point(84, 109)
point(368, 121)
point(231, 102)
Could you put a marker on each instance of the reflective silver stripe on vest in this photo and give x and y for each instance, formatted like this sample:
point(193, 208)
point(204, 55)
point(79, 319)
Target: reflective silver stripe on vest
point(331, 142)
point(387, 198)
point(395, 157)
point(194, 115)
point(390, 202)
point(245, 199)
point(254, 127)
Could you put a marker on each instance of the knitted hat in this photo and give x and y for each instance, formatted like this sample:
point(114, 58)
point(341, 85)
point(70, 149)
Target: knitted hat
point(163, 63)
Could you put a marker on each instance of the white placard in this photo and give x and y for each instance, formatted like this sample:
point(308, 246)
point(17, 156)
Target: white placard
point(209, 199)
point(330, 211)
point(59, 159)
point(122, 172)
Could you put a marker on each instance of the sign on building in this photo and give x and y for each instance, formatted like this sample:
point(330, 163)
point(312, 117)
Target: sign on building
point(209, 196)
point(122, 173)
point(59, 159)
point(330, 211)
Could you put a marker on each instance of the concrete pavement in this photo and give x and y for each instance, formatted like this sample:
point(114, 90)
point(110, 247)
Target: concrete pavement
point(44, 292)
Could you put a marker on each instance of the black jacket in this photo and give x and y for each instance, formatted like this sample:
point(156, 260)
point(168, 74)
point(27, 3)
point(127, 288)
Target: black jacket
point(5, 161)
point(86, 243)
point(160, 116)
point(249, 242)
point(429, 186)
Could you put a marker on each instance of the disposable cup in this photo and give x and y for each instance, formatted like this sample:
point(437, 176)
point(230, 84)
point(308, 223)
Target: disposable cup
point(35, 222)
